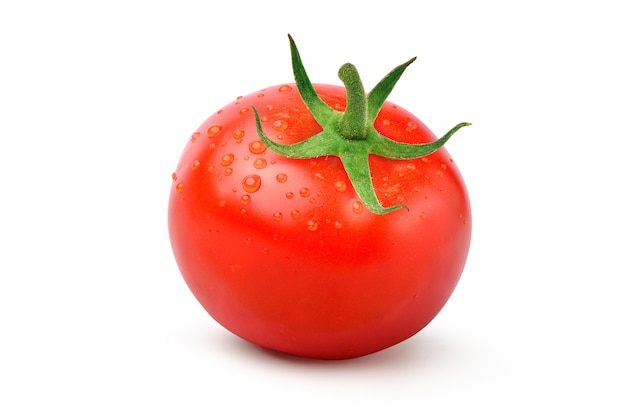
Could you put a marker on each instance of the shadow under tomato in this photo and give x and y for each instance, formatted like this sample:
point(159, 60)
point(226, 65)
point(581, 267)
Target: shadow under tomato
point(423, 350)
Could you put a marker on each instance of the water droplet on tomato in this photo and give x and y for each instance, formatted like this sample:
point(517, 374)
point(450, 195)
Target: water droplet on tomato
point(440, 173)
point(213, 130)
point(312, 225)
point(295, 214)
point(279, 125)
point(444, 167)
point(357, 207)
point(340, 186)
point(338, 225)
point(304, 192)
point(256, 147)
point(277, 216)
point(260, 95)
point(284, 88)
point(265, 250)
point(424, 159)
point(195, 165)
point(245, 199)
point(422, 215)
point(227, 159)
point(243, 110)
point(238, 134)
point(281, 178)
point(411, 126)
point(248, 240)
point(211, 169)
point(251, 183)
point(179, 187)
point(222, 204)
point(410, 166)
point(194, 136)
point(260, 163)
point(386, 122)
point(174, 176)
point(228, 171)
point(289, 195)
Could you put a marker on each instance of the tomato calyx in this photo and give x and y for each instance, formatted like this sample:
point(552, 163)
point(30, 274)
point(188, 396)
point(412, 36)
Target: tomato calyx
point(350, 135)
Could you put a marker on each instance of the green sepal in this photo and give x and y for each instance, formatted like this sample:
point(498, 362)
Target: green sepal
point(318, 108)
point(381, 145)
point(324, 143)
point(357, 167)
point(351, 135)
point(377, 96)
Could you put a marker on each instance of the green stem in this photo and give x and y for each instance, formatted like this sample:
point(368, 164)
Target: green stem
point(353, 123)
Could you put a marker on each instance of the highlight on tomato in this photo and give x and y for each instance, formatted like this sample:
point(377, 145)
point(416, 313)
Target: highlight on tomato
point(318, 220)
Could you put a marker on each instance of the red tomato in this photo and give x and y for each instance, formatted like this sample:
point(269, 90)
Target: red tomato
point(284, 253)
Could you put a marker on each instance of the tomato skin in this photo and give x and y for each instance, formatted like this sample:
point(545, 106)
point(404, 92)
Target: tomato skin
point(282, 252)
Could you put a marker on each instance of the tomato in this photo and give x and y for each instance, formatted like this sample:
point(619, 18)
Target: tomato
point(331, 252)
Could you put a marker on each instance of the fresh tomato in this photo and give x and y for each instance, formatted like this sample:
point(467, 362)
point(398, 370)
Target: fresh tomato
point(318, 220)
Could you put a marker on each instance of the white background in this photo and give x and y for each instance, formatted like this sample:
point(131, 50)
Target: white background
point(97, 100)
